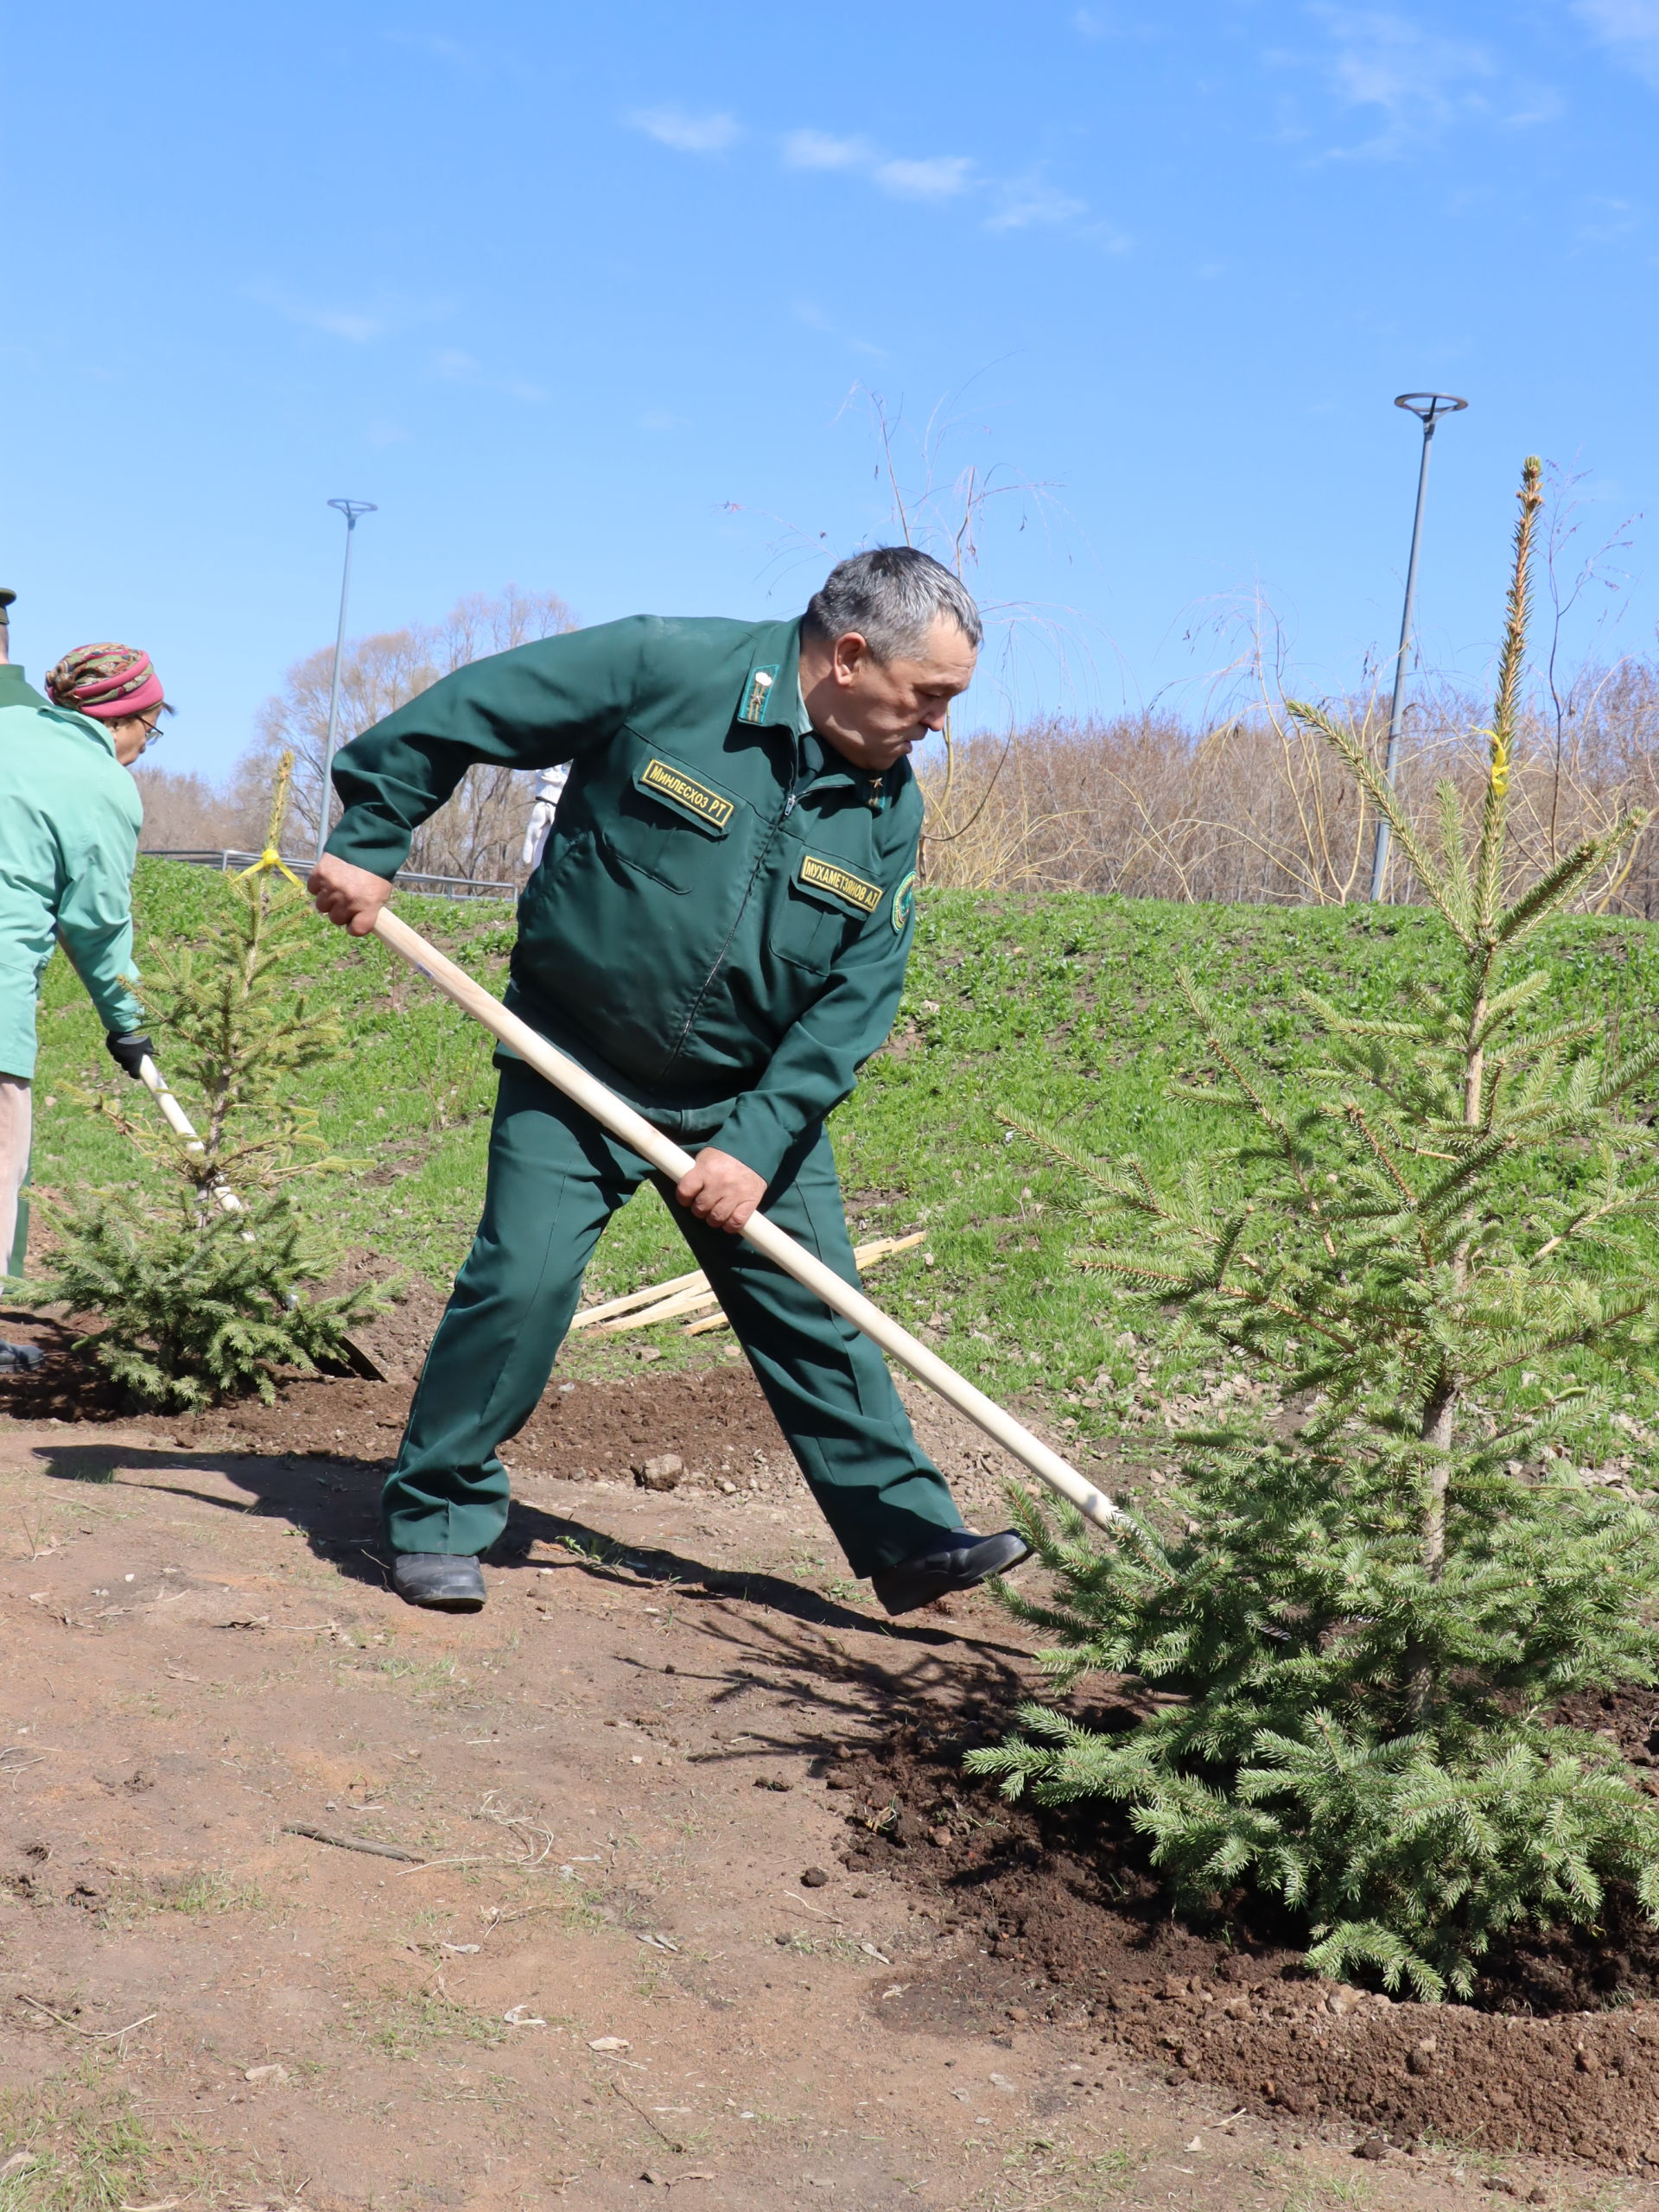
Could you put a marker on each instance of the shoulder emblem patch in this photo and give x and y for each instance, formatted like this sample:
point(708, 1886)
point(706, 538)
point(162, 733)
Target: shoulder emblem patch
point(841, 883)
point(757, 692)
point(681, 790)
point(904, 902)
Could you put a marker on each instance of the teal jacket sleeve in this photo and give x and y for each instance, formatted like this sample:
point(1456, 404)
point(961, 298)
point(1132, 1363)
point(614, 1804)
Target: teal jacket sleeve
point(94, 913)
point(817, 1059)
point(532, 708)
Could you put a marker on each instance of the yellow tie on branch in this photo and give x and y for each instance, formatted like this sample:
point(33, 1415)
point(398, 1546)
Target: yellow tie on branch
point(270, 861)
point(1498, 745)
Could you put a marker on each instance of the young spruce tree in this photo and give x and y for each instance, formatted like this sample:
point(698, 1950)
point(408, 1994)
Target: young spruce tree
point(202, 1298)
point(1364, 1614)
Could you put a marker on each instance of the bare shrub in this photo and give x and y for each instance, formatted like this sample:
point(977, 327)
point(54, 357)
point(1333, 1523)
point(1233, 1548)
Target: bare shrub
point(183, 811)
point(1249, 810)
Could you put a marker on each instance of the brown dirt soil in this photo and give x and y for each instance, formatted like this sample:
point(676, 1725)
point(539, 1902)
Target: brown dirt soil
point(714, 1417)
point(610, 1784)
point(1059, 1920)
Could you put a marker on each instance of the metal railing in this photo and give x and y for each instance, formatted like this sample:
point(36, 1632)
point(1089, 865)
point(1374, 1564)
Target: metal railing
point(225, 859)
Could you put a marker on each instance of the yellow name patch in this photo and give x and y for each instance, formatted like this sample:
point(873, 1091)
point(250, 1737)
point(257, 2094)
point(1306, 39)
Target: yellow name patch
point(824, 875)
point(697, 799)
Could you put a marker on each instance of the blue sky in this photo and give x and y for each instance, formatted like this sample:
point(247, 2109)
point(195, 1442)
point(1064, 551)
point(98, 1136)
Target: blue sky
point(591, 299)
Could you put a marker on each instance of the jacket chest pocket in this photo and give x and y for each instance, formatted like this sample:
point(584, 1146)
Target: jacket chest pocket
point(664, 821)
point(823, 901)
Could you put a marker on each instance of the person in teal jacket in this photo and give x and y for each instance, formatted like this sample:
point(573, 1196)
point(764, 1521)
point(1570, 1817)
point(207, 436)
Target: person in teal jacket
point(70, 815)
point(718, 928)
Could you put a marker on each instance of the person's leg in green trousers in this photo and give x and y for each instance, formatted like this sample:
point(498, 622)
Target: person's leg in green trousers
point(554, 1179)
point(827, 1384)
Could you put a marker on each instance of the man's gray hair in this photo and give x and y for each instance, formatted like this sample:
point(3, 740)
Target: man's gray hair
point(892, 596)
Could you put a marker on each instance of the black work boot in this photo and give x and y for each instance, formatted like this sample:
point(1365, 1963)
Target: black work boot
point(958, 1561)
point(448, 1582)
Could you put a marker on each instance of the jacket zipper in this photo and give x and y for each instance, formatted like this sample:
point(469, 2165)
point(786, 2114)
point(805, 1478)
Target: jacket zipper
point(743, 906)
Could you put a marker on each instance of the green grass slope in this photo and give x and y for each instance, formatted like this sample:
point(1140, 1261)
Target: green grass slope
point(1065, 1009)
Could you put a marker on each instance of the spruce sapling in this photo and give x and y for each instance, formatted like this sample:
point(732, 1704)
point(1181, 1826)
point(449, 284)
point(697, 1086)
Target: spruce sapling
point(197, 1303)
point(1362, 1614)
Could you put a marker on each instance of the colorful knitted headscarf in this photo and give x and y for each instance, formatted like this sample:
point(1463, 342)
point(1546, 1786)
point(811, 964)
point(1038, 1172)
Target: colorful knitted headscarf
point(107, 682)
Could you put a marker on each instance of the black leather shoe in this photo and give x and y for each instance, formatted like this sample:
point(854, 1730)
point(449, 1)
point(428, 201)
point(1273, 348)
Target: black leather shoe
point(959, 1563)
point(449, 1582)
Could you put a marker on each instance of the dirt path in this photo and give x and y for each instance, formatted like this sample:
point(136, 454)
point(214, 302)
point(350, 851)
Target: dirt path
point(608, 1972)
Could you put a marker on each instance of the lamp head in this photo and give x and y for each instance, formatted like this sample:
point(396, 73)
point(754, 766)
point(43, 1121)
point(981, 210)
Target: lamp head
point(1429, 406)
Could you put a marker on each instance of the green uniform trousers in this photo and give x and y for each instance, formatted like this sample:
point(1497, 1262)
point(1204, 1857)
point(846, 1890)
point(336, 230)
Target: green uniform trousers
point(556, 1177)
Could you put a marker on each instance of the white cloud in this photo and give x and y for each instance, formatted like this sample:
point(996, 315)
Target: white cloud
point(341, 322)
point(1016, 203)
point(1028, 201)
point(940, 178)
point(809, 312)
point(428, 42)
point(817, 149)
point(1608, 220)
point(357, 325)
point(685, 132)
point(1417, 80)
point(384, 315)
point(453, 367)
point(1630, 27)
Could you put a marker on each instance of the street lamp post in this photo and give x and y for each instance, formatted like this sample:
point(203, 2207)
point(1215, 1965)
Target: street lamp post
point(1427, 407)
point(351, 508)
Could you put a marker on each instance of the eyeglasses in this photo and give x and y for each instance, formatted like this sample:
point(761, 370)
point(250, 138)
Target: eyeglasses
point(152, 731)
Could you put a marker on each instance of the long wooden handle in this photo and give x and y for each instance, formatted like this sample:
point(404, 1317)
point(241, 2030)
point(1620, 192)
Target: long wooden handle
point(566, 1075)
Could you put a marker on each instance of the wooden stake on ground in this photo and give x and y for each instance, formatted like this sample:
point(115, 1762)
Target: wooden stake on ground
point(865, 1255)
point(668, 1158)
point(665, 1301)
point(591, 1315)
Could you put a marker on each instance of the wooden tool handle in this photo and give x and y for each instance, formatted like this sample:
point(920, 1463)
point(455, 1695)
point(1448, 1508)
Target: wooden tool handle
point(176, 1119)
point(613, 1114)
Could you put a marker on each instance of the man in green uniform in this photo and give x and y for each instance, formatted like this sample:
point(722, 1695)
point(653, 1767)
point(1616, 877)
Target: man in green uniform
point(718, 928)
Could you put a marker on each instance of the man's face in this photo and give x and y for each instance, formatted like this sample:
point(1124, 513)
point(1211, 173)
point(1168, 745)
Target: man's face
point(873, 711)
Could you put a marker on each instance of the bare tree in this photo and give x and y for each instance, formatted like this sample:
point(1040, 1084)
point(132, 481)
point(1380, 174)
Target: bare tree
point(478, 833)
point(184, 811)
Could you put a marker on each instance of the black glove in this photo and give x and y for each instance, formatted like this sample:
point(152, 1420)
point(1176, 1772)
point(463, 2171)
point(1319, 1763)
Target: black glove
point(126, 1048)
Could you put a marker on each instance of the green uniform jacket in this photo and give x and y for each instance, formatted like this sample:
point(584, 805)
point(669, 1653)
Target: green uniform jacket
point(724, 907)
point(70, 815)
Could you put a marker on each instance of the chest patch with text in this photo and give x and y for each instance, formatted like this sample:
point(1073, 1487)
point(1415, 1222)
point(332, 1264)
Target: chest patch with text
point(683, 791)
point(841, 883)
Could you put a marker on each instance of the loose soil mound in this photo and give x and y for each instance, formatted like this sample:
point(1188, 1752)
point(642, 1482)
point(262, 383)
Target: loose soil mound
point(1060, 1922)
point(716, 1420)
